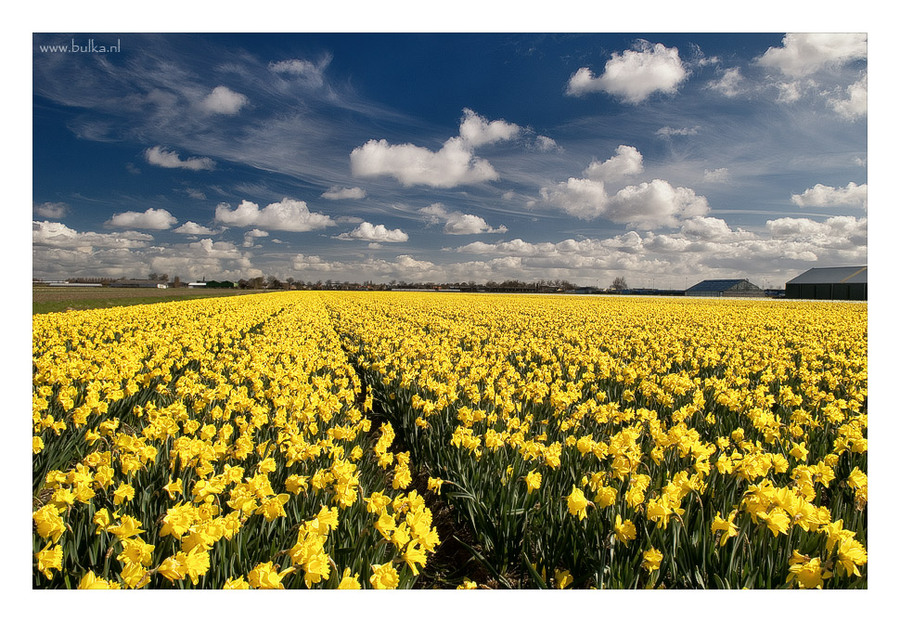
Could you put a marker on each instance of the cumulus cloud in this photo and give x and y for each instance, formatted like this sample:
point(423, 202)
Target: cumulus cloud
point(222, 100)
point(159, 156)
point(286, 215)
point(192, 228)
point(852, 102)
point(827, 196)
point(51, 209)
point(713, 229)
point(583, 198)
point(803, 54)
point(628, 161)
point(59, 251)
point(647, 205)
point(251, 235)
point(336, 193)
point(634, 75)
point(654, 204)
point(374, 233)
point(458, 223)
point(158, 219)
point(836, 232)
point(475, 130)
point(58, 235)
point(453, 165)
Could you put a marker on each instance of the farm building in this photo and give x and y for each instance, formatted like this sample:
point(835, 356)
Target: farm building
point(138, 283)
point(847, 283)
point(724, 288)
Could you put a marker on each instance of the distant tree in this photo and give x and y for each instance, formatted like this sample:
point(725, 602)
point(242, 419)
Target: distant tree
point(619, 284)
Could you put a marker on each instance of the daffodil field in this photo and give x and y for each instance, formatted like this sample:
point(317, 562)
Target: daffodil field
point(310, 439)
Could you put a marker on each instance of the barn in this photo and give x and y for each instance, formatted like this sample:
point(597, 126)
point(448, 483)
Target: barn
point(724, 288)
point(845, 283)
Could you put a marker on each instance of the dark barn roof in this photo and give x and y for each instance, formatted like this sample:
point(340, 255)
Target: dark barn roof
point(847, 274)
point(721, 285)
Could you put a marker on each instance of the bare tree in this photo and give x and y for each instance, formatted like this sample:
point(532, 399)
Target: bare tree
point(619, 284)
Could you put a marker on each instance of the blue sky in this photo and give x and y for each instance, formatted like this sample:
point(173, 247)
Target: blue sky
point(661, 158)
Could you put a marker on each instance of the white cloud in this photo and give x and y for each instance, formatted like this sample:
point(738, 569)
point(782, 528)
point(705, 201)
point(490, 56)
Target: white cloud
point(715, 229)
point(634, 75)
point(51, 209)
point(218, 250)
point(159, 156)
point(648, 205)
point(336, 193)
point(827, 196)
point(453, 165)
point(286, 215)
point(312, 73)
point(374, 233)
point(677, 131)
point(628, 161)
point(719, 175)
point(803, 54)
point(251, 235)
point(655, 204)
point(151, 219)
point(545, 143)
point(61, 252)
point(475, 130)
point(458, 223)
point(58, 235)
point(222, 100)
point(192, 228)
point(729, 84)
point(856, 102)
point(837, 232)
point(583, 198)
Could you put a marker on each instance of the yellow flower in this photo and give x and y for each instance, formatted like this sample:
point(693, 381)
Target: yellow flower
point(533, 481)
point(414, 555)
point(172, 568)
point(384, 577)
point(652, 560)
point(49, 559)
point(50, 524)
point(434, 484)
point(125, 492)
point(563, 579)
point(851, 554)
point(577, 503)
point(809, 574)
point(348, 581)
point(625, 531)
point(776, 520)
point(91, 582)
point(726, 526)
point(173, 488)
point(129, 527)
point(266, 576)
point(236, 584)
